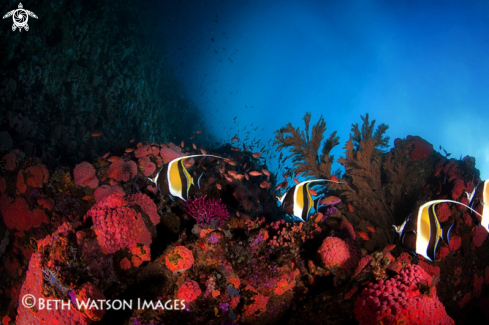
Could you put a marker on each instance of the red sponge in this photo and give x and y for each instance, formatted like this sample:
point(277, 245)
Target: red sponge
point(84, 175)
point(399, 301)
point(117, 224)
point(338, 254)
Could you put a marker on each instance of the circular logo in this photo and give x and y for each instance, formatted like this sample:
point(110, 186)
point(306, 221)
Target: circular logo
point(28, 301)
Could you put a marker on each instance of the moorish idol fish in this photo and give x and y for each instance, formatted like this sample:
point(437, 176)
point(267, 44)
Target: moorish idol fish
point(480, 194)
point(297, 201)
point(421, 231)
point(175, 178)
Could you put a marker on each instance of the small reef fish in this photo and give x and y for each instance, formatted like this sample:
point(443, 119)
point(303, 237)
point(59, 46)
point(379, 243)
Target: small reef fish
point(480, 194)
point(114, 159)
point(371, 229)
point(297, 201)
point(230, 161)
point(174, 177)
point(132, 140)
point(421, 231)
point(390, 247)
point(330, 200)
point(129, 150)
point(334, 179)
point(350, 207)
point(255, 173)
point(363, 235)
point(96, 134)
point(313, 192)
point(198, 131)
point(235, 139)
point(256, 155)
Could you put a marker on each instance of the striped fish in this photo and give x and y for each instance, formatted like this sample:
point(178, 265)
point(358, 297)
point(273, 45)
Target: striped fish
point(480, 195)
point(421, 231)
point(174, 178)
point(297, 201)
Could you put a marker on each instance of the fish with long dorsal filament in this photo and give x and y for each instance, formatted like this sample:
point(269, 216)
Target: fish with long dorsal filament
point(297, 200)
point(480, 195)
point(421, 231)
point(175, 178)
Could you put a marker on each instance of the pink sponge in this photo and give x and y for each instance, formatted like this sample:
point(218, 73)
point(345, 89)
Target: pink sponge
point(338, 254)
point(399, 301)
point(106, 190)
point(147, 205)
point(84, 175)
point(117, 224)
point(121, 170)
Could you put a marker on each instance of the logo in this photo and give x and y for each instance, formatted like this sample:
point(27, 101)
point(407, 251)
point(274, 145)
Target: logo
point(20, 17)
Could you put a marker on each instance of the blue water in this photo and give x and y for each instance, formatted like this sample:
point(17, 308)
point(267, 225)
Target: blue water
point(421, 67)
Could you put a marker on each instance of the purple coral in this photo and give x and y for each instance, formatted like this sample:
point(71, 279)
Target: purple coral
point(207, 212)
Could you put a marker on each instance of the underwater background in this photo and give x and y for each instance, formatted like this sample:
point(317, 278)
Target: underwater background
point(313, 127)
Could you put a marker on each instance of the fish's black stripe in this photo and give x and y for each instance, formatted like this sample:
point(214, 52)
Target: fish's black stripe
point(433, 242)
point(305, 205)
point(183, 180)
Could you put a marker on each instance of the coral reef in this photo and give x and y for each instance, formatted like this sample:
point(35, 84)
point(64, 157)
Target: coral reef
point(229, 252)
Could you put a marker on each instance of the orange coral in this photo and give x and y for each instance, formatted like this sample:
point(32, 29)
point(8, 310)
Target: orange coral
point(258, 303)
point(189, 291)
point(179, 259)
